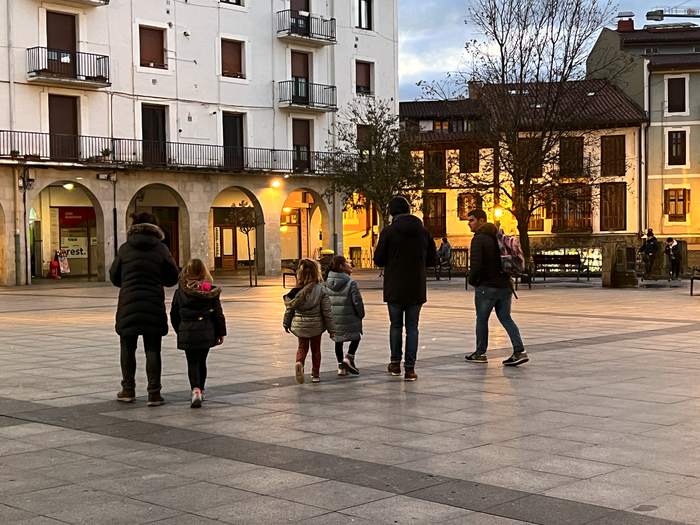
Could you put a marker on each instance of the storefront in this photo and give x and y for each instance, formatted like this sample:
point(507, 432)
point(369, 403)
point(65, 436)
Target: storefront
point(74, 230)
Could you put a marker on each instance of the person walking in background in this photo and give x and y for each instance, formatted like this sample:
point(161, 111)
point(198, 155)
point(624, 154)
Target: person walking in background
point(493, 290)
point(673, 251)
point(648, 251)
point(199, 322)
point(444, 253)
point(142, 267)
point(404, 250)
point(308, 314)
point(348, 312)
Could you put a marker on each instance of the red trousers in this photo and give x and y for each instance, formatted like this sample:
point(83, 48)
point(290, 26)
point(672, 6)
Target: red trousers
point(315, 352)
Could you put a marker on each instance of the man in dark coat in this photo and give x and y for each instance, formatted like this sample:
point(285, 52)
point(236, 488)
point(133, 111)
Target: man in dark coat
point(673, 251)
point(648, 251)
point(404, 250)
point(142, 267)
point(493, 290)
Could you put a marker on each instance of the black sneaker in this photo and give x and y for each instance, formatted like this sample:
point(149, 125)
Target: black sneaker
point(476, 358)
point(518, 358)
point(394, 369)
point(349, 363)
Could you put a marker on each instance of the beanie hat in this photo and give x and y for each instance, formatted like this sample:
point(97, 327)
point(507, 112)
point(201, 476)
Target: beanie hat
point(398, 205)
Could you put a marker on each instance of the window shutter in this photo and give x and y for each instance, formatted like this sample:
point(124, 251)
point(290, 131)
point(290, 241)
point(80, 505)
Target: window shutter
point(300, 65)
point(231, 59)
point(363, 76)
point(613, 156)
point(300, 133)
point(151, 47)
point(686, 202)
point(469, 161)
point(300, 5)
point(667, 202)
point(676, 95)
point(363, 136)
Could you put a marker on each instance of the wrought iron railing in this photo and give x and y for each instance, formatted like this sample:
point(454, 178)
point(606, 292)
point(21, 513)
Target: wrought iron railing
point(49, 147)
point(46, 62)
point(306, 25)
point(299, 92)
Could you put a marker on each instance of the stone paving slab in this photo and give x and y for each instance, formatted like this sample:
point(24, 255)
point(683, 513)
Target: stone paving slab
point(600, 427)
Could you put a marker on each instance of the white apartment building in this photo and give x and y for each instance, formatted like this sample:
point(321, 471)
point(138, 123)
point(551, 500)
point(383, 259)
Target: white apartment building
point(180, 108)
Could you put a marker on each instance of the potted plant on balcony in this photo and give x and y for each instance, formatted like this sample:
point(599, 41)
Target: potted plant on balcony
point(14, 154)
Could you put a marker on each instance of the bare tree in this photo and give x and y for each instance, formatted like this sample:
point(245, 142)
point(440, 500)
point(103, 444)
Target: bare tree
point(373, 157)
point(539, 113)
point(244, 217)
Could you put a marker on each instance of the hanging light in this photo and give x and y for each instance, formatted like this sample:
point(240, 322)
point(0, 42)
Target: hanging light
point(275, 184)
point(68, 186)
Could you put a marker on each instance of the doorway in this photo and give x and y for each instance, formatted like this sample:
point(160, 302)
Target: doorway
point(63, 127)
point(301, 144)
point(300, 76)
point(153, 133)
point(233, 141)
point(169, 219)
point(228, 243)
point(61, 44)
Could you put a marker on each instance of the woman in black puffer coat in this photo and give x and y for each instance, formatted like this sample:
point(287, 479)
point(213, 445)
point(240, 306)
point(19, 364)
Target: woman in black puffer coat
point(199, 321)
point(142, 267)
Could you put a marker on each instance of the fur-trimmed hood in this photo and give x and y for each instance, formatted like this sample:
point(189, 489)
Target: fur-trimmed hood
point(194, 288)
point(144, 236)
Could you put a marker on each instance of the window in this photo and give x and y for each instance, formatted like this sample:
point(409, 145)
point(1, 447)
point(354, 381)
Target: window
point(675, 95)
point(572, 209)
point(469, 161)
point(677, 204)
point(441, 126)
point(612, 156)
point(363, 78)
point(613, 206)
point(152, 47)
point(435, 170)
point(457, 126)
point(571, 156)
point(301, 143)
point(651, 50)
point(434, 214)
point(676, 148)
point(232, 59)
point(234, 2)
point(363, 138)
point(536, 222)
point(467, 202)
point(363, 14)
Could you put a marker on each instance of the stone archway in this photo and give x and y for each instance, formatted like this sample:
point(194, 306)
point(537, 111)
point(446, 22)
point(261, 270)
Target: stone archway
point(67, 214)
point(169, 207)
point(228, 248)
point(305, 228)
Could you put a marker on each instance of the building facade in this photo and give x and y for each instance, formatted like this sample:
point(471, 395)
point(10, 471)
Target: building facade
point(182, 110)
point(659, 67)
point(455, 141)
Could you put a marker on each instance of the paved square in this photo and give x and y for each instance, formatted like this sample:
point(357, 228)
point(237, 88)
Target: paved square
point(601, 427)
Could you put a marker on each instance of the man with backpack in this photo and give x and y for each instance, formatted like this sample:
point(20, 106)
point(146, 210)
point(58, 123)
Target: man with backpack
point(494, 289)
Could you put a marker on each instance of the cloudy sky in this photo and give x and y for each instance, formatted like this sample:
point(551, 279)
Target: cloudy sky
point(432, 34)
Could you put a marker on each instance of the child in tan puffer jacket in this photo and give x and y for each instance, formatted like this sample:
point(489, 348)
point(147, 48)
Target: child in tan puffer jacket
point(308, 314)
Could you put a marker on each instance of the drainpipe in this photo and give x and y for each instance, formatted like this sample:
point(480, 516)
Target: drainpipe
point(10, 76)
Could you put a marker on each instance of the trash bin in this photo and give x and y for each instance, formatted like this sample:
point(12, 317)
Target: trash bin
point(619, 266)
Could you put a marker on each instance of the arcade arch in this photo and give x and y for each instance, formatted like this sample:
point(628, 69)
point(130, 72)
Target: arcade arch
point(304, 226)
point(174, 218)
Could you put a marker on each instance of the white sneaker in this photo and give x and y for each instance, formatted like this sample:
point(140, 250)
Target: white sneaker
point(196, 398)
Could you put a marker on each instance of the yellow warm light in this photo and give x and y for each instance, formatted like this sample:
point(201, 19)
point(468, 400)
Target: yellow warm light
point(286, 210)
point(498, 212)
point(275, 184)
point(283, 228)
point(68, 186)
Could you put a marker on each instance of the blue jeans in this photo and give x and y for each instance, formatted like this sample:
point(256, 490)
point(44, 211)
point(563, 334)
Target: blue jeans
point(396, 315)
point(486, 299)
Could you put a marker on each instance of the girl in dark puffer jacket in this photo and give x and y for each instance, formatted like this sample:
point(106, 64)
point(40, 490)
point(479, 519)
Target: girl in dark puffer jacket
point(199, 322)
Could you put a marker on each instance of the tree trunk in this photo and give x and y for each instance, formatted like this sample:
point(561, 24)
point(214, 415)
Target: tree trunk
point(250, 260)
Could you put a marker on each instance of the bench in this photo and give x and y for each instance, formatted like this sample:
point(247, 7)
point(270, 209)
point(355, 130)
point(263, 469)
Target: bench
point(439, 268)
point(695, 276)
point(288, 271)
point(562, 262)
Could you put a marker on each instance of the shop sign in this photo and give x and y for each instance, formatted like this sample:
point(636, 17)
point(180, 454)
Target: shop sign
point(217, 241)
point(75, 242)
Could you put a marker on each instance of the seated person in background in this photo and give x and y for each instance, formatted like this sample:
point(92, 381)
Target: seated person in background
point(445, 252)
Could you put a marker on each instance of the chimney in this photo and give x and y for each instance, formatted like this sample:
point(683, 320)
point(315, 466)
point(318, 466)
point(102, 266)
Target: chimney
point(474, 89)
point(625, 25)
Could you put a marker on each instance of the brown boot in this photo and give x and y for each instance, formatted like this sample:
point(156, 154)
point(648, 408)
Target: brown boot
point(410, 374)
point(394, 369)
point(126, 396)
point(155, 399)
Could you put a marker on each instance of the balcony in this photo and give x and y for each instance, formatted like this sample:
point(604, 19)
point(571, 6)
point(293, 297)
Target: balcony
point(53, 66)
point(301, 94)
point(95, 3)
point(42, 148)
point(298, 25)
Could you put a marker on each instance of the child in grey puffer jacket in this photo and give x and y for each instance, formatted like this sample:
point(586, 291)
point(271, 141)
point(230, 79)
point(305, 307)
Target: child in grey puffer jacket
point(308, 315)
point(348, 312)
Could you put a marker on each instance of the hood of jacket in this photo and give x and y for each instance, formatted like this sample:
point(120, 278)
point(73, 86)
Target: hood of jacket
point(310, 292)
point(194, 288)
point(487, 229)
point(407, 225)
point(144, 236)
point(337, 281)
